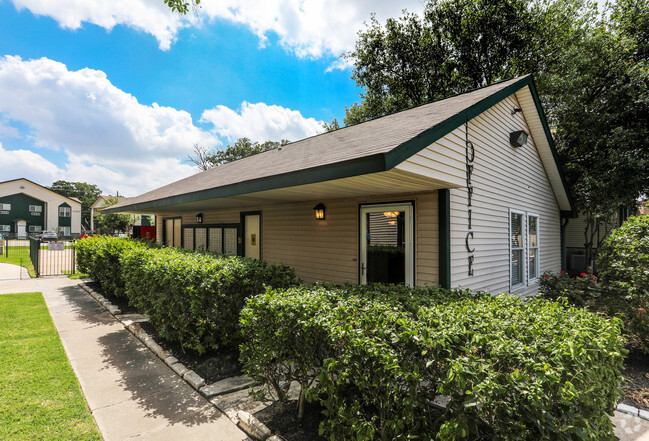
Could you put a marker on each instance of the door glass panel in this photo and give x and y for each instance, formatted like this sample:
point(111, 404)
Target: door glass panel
point(177, 228)
point(386, 250)
point(201, 239)
point(230, 241)
point(216, 240)
point(169, 232)
point(189, 238)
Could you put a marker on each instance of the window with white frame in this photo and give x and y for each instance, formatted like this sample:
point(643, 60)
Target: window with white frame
point(517, 248)
point(532, 247)
point(65, 211)
point(65, 231)
point(5, 227)
point(523, 248)
point(35, 210)
point(35, 228)
point(5, 208)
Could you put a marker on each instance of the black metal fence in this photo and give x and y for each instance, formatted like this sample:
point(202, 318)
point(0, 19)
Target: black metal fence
point(47, 258)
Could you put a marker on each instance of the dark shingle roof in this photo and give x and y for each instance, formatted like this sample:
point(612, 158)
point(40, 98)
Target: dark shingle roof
point(372, 146)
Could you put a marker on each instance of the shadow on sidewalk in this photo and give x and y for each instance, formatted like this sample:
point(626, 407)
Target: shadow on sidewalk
point(153, 386)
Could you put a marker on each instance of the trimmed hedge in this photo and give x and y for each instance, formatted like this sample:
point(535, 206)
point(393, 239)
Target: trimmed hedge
point(100, 258)
point(193, 298)
point(376, 358)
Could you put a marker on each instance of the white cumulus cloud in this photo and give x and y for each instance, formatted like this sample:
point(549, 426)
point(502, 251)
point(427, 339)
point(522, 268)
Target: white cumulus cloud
point(150, 16)
point(104, 136)
point(84, 113)
point(306, 28)
point(261, 122)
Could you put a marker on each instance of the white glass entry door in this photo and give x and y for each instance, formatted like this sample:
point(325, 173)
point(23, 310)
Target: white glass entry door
point(387, 244)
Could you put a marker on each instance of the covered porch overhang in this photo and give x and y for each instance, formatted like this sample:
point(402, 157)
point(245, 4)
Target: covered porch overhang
point(392, 182)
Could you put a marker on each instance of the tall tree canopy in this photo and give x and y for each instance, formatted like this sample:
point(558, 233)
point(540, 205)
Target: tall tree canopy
point(205, 159)
point(86, 193)
point(458, 45)
point(591, 72)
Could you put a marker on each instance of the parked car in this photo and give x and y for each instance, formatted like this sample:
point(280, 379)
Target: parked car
point(49, 235)
point(87, 233)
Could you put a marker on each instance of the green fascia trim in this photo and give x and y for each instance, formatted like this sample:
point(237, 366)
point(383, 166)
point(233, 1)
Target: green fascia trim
point(369, 164)
point(444, 214)
point(355, 167)
point(415, 145)
point(423, 140)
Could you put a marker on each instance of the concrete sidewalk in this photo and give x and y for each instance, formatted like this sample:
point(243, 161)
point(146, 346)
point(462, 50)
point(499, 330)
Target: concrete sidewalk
point(133, 395)
point(131, 392)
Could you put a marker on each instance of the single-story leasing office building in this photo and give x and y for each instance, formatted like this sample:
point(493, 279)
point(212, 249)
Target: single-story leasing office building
point(463, 192)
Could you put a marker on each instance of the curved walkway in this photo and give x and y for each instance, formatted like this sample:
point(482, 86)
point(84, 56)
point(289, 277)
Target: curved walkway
point(133, 395)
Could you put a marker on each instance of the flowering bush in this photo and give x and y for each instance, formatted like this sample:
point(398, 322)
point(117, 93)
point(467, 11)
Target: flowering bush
point(599, 296)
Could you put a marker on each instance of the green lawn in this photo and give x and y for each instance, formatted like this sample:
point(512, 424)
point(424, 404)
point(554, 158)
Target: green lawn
point(40, 398)
point(76, 275)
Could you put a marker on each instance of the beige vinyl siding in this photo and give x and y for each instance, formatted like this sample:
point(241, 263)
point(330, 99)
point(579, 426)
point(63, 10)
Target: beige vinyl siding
point(442, 161)
point(328, 250)
point(503, 178)
point(290, 234)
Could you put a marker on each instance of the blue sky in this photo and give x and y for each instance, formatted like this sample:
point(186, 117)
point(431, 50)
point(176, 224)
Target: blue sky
point(117, 93)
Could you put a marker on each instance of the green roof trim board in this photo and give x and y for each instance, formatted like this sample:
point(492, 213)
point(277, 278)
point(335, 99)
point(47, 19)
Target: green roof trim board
point(374, 146)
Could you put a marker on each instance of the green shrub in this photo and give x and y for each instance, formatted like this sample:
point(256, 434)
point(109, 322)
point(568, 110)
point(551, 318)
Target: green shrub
point(100, 258)
point(380, 356)
point(624, 258)
point(194, 298)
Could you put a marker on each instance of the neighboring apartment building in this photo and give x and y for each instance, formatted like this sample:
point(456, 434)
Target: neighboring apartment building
point(29, 208)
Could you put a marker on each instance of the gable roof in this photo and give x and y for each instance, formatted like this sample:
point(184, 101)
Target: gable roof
point(73, 200)
point(370, 147)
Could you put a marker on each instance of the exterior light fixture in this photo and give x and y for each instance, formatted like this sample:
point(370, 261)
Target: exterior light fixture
point(391, 213)
point(518, 138)
point(319, 211)
point(199, 218)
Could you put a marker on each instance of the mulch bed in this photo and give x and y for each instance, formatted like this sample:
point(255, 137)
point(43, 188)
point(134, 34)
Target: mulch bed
point(217, 365)
point(635, 387)
point(287, 425)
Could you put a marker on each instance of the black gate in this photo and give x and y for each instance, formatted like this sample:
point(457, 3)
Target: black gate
point(52, 258)
point(17, 251)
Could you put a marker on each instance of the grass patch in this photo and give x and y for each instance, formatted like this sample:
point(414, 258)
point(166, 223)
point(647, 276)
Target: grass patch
point(40, 395)
point(76, 275)
point(20, 260)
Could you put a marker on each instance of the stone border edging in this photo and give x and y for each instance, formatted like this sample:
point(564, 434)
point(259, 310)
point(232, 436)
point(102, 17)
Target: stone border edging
point(634, 411)
point(244, 420)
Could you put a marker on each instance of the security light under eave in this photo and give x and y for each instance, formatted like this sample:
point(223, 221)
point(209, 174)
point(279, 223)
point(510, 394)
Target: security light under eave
point(319, 211)
point(199, 218)
point(518, 138)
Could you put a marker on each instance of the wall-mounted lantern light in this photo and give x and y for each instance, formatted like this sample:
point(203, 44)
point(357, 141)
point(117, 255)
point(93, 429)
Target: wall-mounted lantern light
point(518, 138)
point(199, 218)
point(319, 211)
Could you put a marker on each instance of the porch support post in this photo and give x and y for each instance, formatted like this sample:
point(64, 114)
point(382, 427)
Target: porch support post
point(444, 211)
